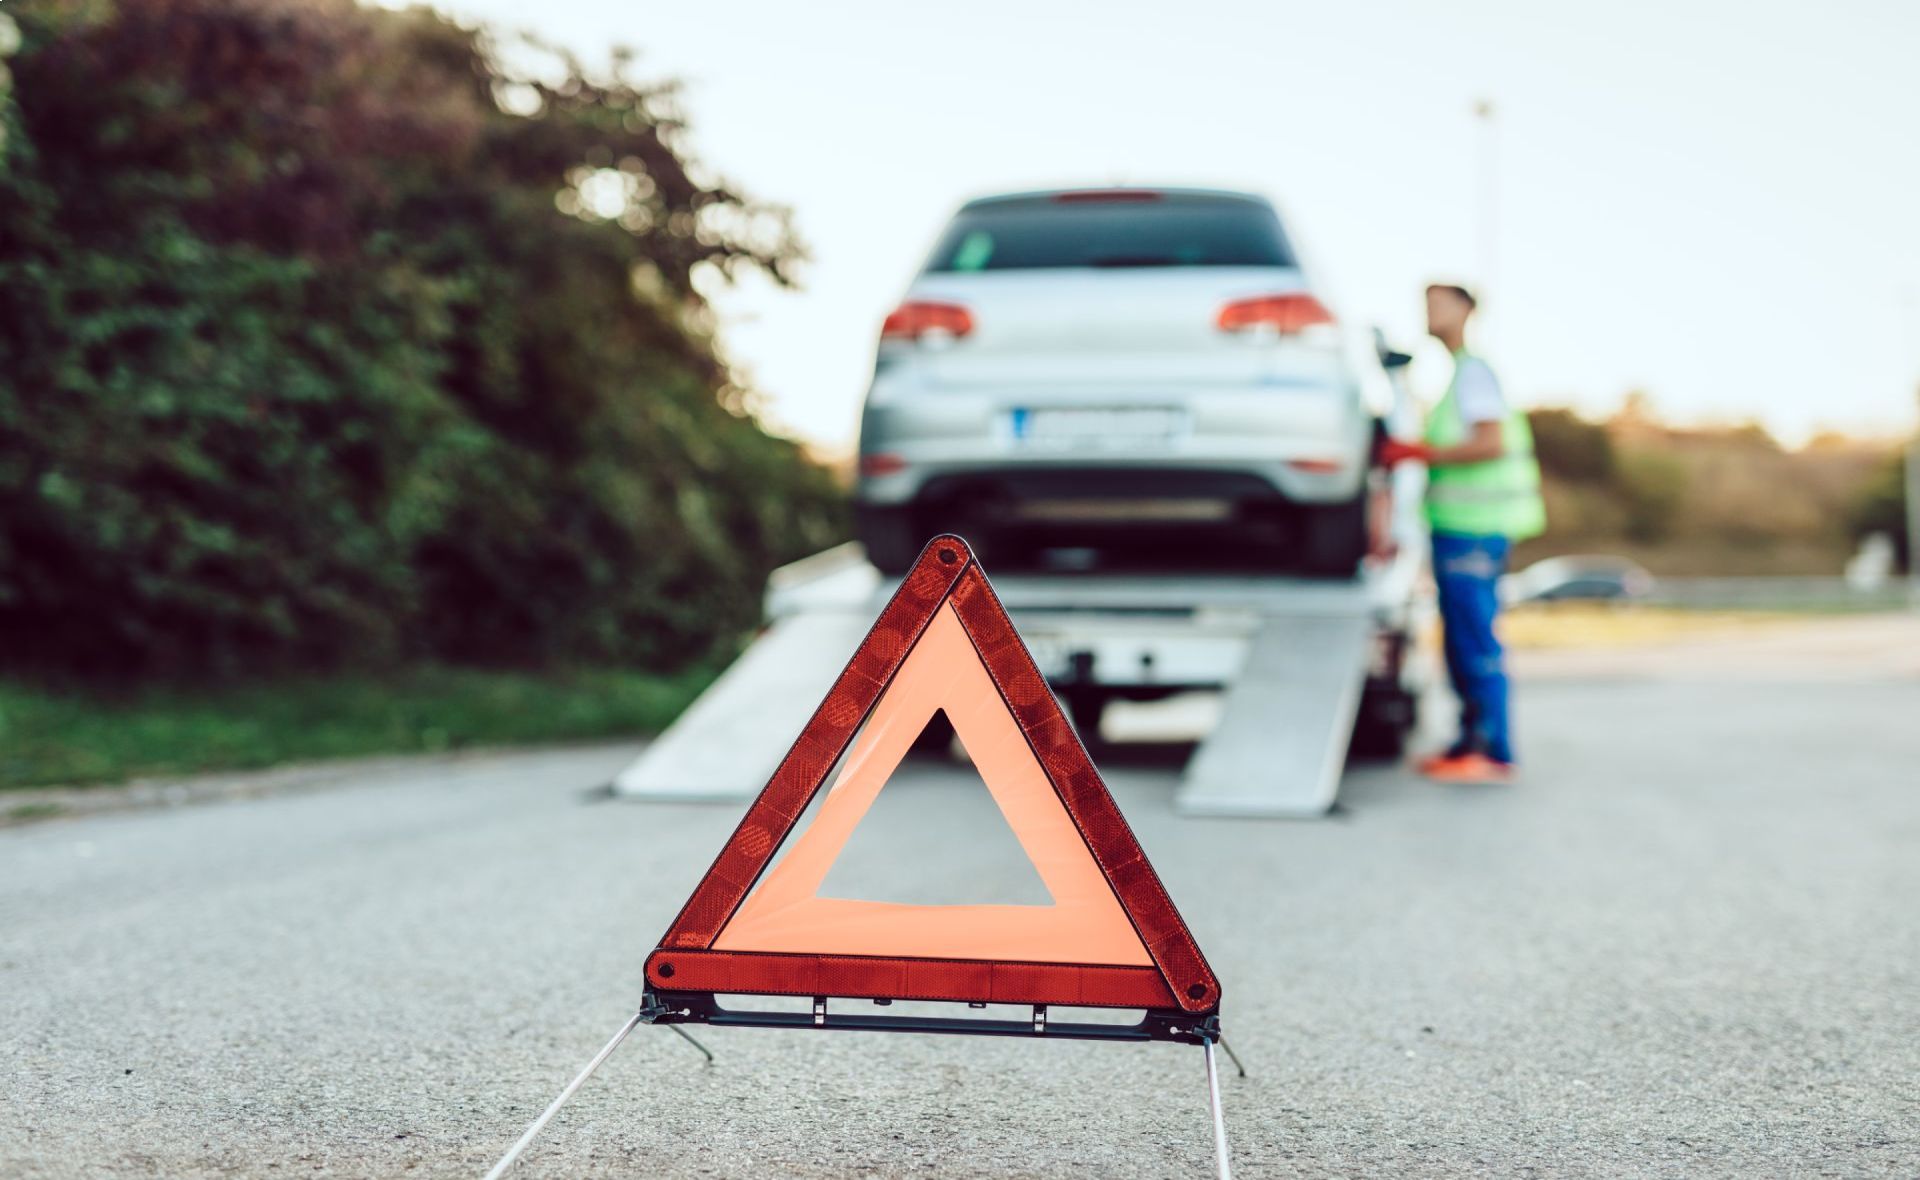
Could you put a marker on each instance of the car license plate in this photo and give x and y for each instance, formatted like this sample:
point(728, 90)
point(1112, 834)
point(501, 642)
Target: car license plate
point(1096, 428)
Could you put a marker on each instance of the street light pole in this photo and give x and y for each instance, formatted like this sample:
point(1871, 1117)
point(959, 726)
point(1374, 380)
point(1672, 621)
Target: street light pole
point(1487, 215)
point(1913, 516)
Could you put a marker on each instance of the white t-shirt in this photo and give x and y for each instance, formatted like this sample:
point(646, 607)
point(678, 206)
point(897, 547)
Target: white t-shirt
point(1476, 392)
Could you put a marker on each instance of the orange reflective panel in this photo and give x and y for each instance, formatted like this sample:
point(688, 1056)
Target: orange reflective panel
point(1085, 923)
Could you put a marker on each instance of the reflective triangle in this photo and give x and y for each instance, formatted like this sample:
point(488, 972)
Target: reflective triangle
point(1112, 936)
point(1085, 923)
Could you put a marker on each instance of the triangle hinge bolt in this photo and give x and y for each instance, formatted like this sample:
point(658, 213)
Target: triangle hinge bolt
point(1039, 1018)
point(819, 1010)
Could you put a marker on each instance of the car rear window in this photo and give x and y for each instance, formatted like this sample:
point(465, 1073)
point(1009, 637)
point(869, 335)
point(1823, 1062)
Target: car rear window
point(1036, 233)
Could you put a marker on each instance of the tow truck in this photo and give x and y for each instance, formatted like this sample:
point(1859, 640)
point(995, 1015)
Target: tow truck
point(1121, 362)
point(1309, 669)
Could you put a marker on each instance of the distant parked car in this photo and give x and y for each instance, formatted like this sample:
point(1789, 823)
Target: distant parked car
point(1081, 365)
point(1563, 579)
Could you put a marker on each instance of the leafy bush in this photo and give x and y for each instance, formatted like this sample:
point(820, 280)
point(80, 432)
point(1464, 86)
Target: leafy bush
point(312, 352)
point(1572, 447)
point(1881, 506)
point(1652, 486)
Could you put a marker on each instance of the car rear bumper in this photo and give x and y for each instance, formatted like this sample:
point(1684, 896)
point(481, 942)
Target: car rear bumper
point(1301, 443)
point(1163, 488)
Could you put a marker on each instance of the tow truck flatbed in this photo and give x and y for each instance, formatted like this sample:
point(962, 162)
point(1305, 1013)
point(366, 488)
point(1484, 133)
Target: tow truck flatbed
point(1296, 659)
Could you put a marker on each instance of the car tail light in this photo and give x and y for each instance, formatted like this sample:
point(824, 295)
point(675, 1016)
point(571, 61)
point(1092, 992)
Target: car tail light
point(917, 318)
point(1286, 314)
point(1315, 465)
point(881, 463)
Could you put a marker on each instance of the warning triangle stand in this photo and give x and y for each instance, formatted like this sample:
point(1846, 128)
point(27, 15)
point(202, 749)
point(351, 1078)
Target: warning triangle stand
point(1110, 939)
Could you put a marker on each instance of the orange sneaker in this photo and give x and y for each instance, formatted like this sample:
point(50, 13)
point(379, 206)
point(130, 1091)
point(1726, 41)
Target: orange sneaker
point(1435, 760)
point(1468, 768)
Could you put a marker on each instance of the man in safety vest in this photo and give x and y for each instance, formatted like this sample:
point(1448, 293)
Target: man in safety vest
point(1483, 494)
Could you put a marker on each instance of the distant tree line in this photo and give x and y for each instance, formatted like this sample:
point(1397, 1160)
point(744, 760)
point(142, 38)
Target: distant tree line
point(1707, 500)
point(329, 337)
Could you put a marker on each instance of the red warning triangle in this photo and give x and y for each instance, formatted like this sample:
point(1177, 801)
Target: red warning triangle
point(1111, 938)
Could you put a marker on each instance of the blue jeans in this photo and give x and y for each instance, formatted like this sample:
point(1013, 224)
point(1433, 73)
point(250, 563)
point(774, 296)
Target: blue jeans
point(1467, 570)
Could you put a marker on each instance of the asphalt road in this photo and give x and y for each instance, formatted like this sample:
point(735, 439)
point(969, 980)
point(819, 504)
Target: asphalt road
point(1687, 945)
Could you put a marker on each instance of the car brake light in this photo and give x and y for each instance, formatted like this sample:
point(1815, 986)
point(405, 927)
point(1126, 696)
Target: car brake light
point(1285, 314)
point(1106, 194)
point(1317, 466)
point(917, 318)
point(881, 463)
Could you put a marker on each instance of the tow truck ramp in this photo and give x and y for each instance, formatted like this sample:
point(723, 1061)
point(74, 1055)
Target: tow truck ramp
point(1290, 656)
point(1281, 741)
point(728, 742)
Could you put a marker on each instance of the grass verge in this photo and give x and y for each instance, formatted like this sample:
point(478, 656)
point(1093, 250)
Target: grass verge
point(54, 738)
point(1560, 625)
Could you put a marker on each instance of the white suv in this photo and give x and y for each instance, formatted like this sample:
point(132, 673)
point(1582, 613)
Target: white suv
point(1113, 371)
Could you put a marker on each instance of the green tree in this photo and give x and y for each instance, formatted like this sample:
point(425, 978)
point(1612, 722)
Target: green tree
point(1652, 486)
point(326, 337)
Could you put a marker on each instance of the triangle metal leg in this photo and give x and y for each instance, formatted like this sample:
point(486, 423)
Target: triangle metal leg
point(1219, 1117)
point(539, 1124)
point(653, 1011)
point(1233, 1057)
point(704, 1052)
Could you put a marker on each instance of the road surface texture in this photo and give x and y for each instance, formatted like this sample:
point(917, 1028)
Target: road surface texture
point(1686, 946)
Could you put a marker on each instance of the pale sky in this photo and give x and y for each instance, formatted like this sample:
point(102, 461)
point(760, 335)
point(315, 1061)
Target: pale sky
point(1718, 202)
